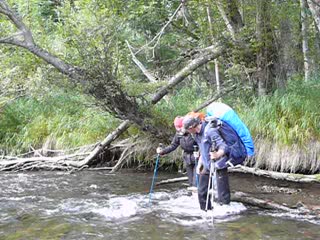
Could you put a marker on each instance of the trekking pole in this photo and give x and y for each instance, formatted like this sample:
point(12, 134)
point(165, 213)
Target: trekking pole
point(211, 179)
point(154, 175)
point(196, 157)
point(213, 183)
point(208, 190)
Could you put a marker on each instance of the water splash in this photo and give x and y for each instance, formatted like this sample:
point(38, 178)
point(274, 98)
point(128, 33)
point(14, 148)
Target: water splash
point(185, 210)
point(179, 207)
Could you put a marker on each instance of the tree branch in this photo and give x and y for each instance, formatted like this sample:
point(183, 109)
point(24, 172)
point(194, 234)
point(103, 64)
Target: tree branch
point(159, 34)
point(214, 52)
point(216, 97)
point(140, 65)
point(15, 19)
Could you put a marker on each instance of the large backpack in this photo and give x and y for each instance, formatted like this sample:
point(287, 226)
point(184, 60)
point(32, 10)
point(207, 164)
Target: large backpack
point(228, 115)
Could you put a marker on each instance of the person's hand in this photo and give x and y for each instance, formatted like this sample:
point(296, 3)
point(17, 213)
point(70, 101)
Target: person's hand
point(216, 155)
point(196, 154)
point(159, 150)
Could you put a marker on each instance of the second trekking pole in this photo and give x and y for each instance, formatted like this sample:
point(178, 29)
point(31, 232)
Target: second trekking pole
point(154, 175)
point(196, 155)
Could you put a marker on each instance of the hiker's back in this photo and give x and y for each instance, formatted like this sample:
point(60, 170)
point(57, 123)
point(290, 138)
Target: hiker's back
point(228, 115)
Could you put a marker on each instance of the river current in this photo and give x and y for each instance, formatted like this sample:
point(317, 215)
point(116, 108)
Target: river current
point(98, 205)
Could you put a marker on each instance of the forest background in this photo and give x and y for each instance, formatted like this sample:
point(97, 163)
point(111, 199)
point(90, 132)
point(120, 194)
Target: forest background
point(71, 71)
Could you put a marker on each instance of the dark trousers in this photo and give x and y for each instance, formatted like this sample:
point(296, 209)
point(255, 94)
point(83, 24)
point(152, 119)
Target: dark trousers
point(222, 185)
point(191, 172)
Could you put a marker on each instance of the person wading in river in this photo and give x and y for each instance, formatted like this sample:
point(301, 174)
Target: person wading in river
point(229, 149)
point(186, 142)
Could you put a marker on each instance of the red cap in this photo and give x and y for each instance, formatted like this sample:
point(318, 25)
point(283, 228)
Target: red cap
point(178, 122)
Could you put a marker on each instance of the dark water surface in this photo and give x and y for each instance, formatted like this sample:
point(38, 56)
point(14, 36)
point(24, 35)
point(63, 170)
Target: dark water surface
point(98, 205)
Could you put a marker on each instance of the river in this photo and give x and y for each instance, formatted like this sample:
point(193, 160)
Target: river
point(98, 205)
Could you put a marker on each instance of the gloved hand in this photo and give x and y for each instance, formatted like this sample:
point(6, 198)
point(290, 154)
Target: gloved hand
point(159, 150)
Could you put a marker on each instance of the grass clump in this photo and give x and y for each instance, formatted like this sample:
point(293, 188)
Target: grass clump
point(290, 117)
point(63, 116)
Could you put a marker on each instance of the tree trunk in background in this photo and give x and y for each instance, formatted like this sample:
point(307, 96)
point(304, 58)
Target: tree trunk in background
point(216, 63)
point(216, 70)
point(286, 66)
point(265, 53)
point(230, 13)
point(304, 34)
point(314, 6)
point(241, 11)
point(317, 50)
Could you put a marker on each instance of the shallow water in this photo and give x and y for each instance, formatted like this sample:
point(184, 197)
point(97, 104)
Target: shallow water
point(98, 205)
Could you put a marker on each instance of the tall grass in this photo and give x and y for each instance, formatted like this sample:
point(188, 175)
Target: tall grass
point(64, 117)
point(290, 117)
point(286, 128)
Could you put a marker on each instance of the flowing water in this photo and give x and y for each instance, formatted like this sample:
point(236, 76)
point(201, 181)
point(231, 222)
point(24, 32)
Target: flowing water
point(98, 205)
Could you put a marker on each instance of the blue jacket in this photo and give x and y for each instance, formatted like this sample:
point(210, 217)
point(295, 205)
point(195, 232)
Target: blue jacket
point(225, 138)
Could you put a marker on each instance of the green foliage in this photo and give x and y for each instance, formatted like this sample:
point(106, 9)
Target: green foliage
point(63, 116)
point(93, 33)
point(286, 117)
point(181, 102)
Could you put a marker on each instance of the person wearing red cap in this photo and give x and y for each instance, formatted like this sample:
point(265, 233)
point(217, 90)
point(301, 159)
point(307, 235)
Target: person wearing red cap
point(220, 145)
point(186, 142)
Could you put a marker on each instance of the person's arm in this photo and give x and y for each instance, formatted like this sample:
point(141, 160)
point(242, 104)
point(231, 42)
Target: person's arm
point(173, 146)
point(221, 148)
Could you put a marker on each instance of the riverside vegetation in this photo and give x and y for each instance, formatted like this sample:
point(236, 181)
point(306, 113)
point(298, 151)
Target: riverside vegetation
point(72, 71)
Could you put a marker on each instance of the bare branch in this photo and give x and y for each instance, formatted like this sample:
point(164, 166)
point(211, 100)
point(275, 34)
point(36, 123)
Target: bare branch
point(140, 65)
point(216, 97)
point(15, 19)
point(159, 34)
point(12, 39)
point(276, 175)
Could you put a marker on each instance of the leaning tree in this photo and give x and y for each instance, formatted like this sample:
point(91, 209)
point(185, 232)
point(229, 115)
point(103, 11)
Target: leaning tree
point(229, 37)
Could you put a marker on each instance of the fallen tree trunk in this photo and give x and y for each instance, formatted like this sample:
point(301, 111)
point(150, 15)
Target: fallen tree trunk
point(172, 180)
point(102, 145)
point(277, 175)
point(300, 209)
point(262, 173)
point(246, 199)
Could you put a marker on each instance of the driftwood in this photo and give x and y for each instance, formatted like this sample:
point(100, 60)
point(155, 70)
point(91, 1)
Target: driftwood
point(246, 199)
point(277, 175)
point(172, 180)
point(299, 209)
point(262, 173)
point(261, 203)
point(124, 156)
point(69, 162)
point(110, 138)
